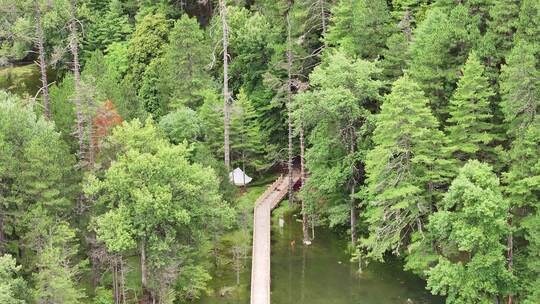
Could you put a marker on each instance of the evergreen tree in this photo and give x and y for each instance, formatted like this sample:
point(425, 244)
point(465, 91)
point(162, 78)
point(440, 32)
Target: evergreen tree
point(498, 39)
point(106, 27)
point(522, 181)
point(12, 285)
point(337, 112)
point(470, 228)
point(35, 167)
point(360, 27)
point(440, 45)
point(247, 144)
point(529, 23)
point(404, 168)
point(520, 88)
point(183, 76)
point(146, 43)
point(470, 131)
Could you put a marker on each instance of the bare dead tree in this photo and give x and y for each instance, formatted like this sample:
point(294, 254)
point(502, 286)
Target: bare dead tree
point(226, 93)
point(289, 104)
point(74, 47)
point(40, 37)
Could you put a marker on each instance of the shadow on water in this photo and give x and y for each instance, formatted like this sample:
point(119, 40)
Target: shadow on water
point(322, 273)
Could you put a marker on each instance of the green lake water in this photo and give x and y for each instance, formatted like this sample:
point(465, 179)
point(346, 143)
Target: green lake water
point(322, 274)
point(23, 79)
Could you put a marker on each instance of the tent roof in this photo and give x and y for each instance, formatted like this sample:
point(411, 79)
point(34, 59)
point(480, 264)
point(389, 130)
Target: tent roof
point(237, 177)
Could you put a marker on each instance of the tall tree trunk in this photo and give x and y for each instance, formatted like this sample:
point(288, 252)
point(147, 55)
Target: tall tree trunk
point(42, 63)
point(353, 216)
point(115, 281)
point(510, 252)
point(144, 274)
point(353, 187)
point(303, 181)
point(226, 93)
point(2, 237)
point(122, 280)
point(289, 105)
point(323, 17)
point(77, 81)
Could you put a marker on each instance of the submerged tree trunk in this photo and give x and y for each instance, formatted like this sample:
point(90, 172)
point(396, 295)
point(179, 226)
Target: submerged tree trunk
point(77, 81)
point(144, 275)
point(1, 232)
point(289, 105)
point(353, 217)
point(40, 36)
point(226, 93)
point(510, 252)
point(122, 280)
point(303, 181)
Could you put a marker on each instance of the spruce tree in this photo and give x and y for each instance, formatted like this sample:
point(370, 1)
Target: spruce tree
point(470, 131)
point(184, 80)
point(439, 48)
point(520, 88)
point(403, 168)
point(360, 27)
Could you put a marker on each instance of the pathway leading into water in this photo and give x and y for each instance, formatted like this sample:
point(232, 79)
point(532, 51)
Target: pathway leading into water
point(260, 268)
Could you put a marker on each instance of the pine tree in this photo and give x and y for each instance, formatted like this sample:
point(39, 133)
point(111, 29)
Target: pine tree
point(12, 285)
point(403, 168)
point(470, 131)
point(360, 27)
point(470, 228)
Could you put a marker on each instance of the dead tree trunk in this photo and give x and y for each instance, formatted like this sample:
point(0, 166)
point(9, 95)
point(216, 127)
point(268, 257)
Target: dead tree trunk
point(226, 93)
point(77, 81)
point(323, 17)
point(353, 187)
point(289, 105)
point(303, 181)
point(40, 36)
point(2, 238)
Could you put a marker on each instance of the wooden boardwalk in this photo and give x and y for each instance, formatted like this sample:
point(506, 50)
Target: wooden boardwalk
point(260, 267)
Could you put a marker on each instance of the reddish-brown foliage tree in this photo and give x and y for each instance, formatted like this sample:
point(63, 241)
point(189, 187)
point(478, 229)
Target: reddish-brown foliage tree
point(106, 119)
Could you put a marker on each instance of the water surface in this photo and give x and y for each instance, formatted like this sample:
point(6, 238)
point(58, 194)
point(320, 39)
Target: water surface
point(322, 274)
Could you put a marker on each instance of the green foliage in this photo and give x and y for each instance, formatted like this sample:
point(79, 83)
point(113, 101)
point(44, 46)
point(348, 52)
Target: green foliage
point(403, 168)
point(182, 124)
point(107, 27)
point(12, 285)
point(183, 73)
point(470, 227)
point(470, 131)
point(159, 201)
point(248, 145)
point(146, 43)
point(360, 27)
point(57, 268)
point(520, 87)
point(441, 43)
point(337, 113)
point(35, 165)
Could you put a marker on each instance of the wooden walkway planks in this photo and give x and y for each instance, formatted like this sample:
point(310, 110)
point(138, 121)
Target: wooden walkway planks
point(260, 267)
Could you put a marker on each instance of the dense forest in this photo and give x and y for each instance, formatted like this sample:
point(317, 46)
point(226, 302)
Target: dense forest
point(414, 123)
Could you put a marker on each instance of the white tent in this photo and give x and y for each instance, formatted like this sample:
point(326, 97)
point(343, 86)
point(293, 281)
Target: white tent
point(237, 177)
